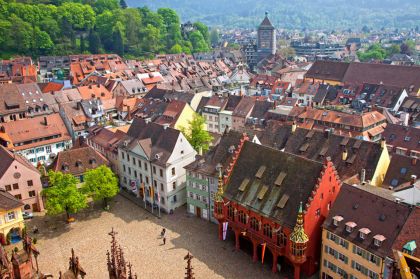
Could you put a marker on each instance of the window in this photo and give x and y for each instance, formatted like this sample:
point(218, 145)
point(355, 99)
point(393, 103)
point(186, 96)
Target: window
point(145, 166)
point(124, 168)
point(48, 148)
point(134, 161)
point(128, 157)
point(11, 216)
point(147, 180)
point(32, 194)
point(191, 194)
point(18, 196)
point(154, 169)
point(8, 187)
point(161, 186)
point(174, 198)
point(204, 187)
point(242, 218)
point(174, 185)
point(231, 213)
point(204, 199)
point(15, 186)
point(255, 224)
point(122, 155)
point(403, 170)
point(135, 173)
point(129, 170)
point(267, 230)
point(30, 183)
point(155, 183)
point(281, 238)
point(139, 163)
point(161, 172)
point(173, 171)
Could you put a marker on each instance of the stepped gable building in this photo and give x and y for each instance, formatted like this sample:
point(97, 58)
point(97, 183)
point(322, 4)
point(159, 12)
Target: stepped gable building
point(276, 200)
point(266, 43)
point(354, 159)
point(359, 234)
point(355, 73)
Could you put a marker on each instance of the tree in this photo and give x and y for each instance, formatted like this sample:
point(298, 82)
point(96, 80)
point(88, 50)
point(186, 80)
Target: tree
point(94, 42)
point(118, 38)
point(393, 49)
point(196, 133)
point(198, 42)
point(176, 49)
point(101, 183)
point(123, 4)
point(63, 195)
point(42, 42)
point(103, 5)
point(204, 30)
point(214, 37)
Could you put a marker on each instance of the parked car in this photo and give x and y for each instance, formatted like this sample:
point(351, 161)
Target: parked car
point(27, 215)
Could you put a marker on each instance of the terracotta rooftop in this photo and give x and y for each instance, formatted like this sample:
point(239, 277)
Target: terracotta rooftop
point(7, 158)
point(402, 136)
point(8, 201)
point(21, 134)
point(410, 232)
point(400, 170)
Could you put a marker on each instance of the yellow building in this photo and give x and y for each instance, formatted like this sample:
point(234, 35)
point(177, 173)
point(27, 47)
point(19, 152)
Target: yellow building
point(11, 218)
point(359, 233)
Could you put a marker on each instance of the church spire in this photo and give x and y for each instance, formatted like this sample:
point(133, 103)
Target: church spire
point(220, 192)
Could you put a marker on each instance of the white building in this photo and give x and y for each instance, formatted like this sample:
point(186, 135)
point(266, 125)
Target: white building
point(153, 155)
point(38, 139)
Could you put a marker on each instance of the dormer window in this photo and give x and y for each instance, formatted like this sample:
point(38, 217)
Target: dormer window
point(363, 232)
point(337, 219)
point(350, 226)
point(92, 161)
point(378, 239)
point(78, 163)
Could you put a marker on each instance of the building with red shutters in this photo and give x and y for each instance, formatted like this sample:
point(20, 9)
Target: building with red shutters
point(275, 203)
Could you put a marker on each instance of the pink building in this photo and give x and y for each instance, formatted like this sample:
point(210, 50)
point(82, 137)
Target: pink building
point(21, 179)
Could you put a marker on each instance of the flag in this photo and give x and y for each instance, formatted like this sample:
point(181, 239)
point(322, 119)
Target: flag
point(263, 252)
point(158, 194)
point(225, 226)
point(142, 191)
point(152, 193)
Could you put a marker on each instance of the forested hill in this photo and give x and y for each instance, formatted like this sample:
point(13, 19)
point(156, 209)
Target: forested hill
point(62, 27)
point(312, 14)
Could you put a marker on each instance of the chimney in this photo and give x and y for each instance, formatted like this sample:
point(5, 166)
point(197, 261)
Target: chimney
point(165, 126)
point(2, 129)
point(45, 121)
point(363, 176)
point(344, 155)
point(294, 126)
point(147, 120)
point(383, 143)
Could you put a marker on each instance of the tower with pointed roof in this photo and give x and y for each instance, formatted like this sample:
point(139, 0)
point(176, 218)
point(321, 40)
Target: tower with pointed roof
point(266, 44)
point(298, 242)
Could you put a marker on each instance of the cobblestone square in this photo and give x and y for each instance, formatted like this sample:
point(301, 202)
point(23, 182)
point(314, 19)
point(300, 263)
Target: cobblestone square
point(139, 235)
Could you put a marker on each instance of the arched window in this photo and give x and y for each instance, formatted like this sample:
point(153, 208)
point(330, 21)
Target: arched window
point(268, 231)
point(231, 213)
point(298, 249)
point(255, 224)
point(281, 238)
point(242, 217)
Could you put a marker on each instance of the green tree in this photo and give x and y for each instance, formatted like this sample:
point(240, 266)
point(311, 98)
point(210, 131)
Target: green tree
point(63, 195)
point(393, 49)
point(101, 183)
point(118, 38)
point(94, 42)
point(123, 4)
point(196, 133)
point(176, 49)
point(198, 42)
point(214, 37)
point(103, 5)
point(42, 42)
point(204, 30)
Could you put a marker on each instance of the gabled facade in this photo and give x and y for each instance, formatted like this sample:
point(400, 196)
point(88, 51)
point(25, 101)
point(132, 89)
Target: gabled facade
point(259, 198)
point(152, 159)
point(10, 216)
point(20, 179)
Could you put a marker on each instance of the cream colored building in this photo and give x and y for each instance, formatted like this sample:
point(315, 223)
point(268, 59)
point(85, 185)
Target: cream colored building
point(359, 233)
point(11, 219)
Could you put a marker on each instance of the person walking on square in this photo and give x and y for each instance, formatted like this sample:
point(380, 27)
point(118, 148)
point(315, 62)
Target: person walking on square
point(163, 232)
point(164, 240)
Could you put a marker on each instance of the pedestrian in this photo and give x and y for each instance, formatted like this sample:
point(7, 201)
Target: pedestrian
point(164, 240)
point(163, 232)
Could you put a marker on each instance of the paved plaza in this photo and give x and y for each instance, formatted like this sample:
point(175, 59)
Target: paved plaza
point(138, 234)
